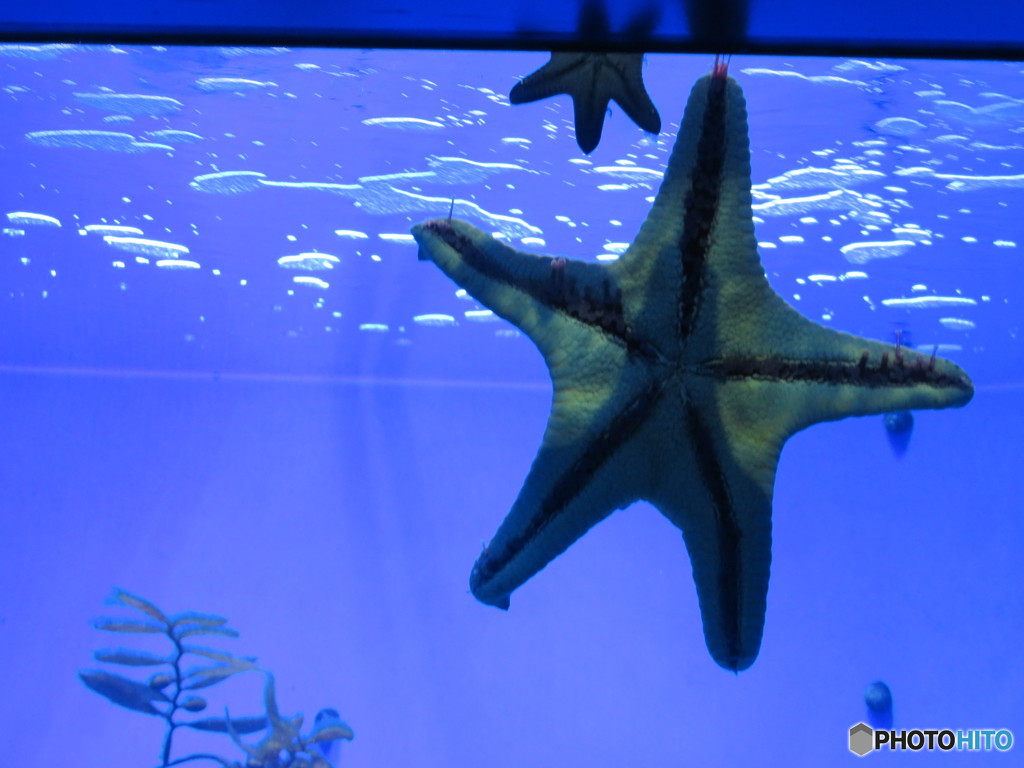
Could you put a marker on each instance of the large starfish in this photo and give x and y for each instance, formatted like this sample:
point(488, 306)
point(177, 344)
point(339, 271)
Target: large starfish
point(592, 80)
point(678, 374)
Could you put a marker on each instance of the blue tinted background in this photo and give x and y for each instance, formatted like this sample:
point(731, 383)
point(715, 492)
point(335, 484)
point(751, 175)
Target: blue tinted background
point(240, 448)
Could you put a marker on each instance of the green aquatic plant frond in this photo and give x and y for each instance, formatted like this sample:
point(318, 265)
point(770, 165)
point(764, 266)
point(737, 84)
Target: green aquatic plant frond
point(212, 653)
point(123, 691)
point(193, 703)
point(129, 657)
point(159, 680)
point(241, 725)
point(195, 617)
point(169, 694)
point(120, 596)
point(111, 624)
point(204, 677)
point(270, 701)
point(188, 630)
point(251, 751)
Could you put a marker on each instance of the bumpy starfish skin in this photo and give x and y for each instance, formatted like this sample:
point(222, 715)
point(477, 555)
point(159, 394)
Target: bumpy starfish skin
point(592, 79)
point(678, 374)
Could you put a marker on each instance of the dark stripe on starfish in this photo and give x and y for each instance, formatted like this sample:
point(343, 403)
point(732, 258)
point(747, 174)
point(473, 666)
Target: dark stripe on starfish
point(728, 533)
point(885, 373)
point(571, 483)
point(701, 204)
point(557, 290)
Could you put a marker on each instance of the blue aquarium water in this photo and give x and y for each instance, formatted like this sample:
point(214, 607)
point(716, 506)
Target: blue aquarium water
point(229, 386)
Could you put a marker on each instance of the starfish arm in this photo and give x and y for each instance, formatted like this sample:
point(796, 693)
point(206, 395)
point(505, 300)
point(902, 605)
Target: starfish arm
point(577, 478)
point(806, 374)
point(730, 549)
point(547, 298)
point(561, 75)
point(697, 242)
point(630, 93)
point(728, 535)
point(590, 463)
point(588, 118)
point(695, 477)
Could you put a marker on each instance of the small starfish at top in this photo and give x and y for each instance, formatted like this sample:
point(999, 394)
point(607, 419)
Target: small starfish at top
point(678, 374)
point(592, 80)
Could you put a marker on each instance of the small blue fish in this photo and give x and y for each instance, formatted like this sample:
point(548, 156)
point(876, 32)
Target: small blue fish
point(899, 426)
point(878, 699)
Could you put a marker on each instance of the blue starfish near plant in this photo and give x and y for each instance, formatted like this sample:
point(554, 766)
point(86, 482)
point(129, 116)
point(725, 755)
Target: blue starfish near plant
point(170, 692)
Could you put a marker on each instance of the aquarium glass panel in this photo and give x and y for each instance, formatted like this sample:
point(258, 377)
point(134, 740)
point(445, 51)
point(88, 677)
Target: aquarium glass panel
point(253, 445)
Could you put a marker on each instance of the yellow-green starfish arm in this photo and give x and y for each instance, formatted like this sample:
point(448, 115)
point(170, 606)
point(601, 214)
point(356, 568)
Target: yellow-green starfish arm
point(542, 296)
point(569, 489)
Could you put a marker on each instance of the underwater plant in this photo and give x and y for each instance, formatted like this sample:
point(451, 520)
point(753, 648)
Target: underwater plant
point(170, 692)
